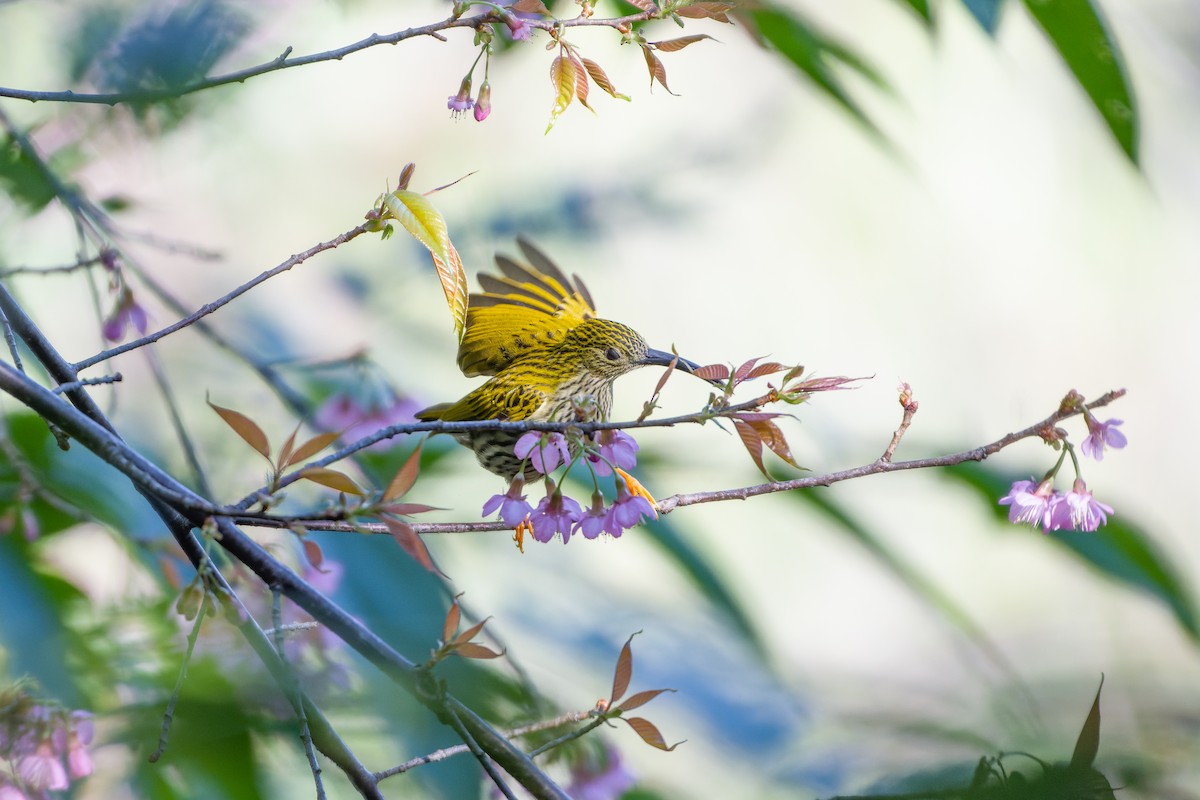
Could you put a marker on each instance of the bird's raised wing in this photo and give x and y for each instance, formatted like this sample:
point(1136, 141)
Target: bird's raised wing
point(525, 307)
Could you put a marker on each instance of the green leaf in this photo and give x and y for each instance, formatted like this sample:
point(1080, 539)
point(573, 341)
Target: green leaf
point(21, 178)
point(1120, 550)
point(986, 13)
point(923, 10)
point(1088, 743)
point(813, 55)
point(1082, 38)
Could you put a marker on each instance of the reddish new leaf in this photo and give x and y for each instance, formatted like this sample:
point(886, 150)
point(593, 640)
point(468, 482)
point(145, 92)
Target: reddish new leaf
point(641, 698)
point(286, 449)
point(472, 650)
point(773, 438)
point(469, 633)
point(742, 372)
point(313, 554)
point(753, 443)
point(244, 427)
point(765, 369)
point(408, 539)
point(405, 477)
point(450, 625)
point(657, 71)
point(1088, 743)
point(530, 7)
point(309, 449)
point(713, 11)
point(650, 735)
point(673, 45)
point(823, 384)
point(331, 478)
point(581, 81)
point(712, 372)
point(645, 5)
point(624, 671)
point(406, 175)
point(600, 78)
point(666, 376)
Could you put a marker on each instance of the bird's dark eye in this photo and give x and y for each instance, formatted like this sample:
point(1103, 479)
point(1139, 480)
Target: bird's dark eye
point(612, 354)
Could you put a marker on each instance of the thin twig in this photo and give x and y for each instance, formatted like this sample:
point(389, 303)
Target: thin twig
point(169, 714)
point(286, 61)
point(880, 466)
point(910, 409)
point(277, 631)
point(515, 426)
point(11, 341)
point(568, 737)
point(224, 300)
point(65, 269)
point(484, 761)
point(459, 749)
point(114, 377)
point(669, 504)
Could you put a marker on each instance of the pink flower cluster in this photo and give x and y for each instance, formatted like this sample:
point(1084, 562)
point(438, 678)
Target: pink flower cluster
point(44, 747)
point(1043, 506)
point(558, 514)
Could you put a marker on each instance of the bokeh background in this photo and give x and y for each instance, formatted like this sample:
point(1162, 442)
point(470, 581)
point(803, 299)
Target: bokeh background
point(991, 246)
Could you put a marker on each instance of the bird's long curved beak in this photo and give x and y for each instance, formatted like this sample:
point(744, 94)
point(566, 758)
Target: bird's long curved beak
point(659, 358)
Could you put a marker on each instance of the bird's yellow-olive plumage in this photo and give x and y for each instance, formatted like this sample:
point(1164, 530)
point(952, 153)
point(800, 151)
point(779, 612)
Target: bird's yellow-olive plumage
point(537, 334)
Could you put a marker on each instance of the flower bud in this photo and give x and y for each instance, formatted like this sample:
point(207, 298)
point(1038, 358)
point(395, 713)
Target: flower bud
point(483, 105)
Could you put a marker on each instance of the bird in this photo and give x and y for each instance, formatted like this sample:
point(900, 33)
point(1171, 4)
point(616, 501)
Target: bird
point(537, 335)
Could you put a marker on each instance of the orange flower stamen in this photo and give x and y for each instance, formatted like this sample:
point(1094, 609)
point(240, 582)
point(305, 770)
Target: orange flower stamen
point(520, 531)
point(635, 488)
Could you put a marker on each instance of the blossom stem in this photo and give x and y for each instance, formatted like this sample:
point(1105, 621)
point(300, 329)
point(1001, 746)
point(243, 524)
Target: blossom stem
point(1053, 471)
point(471, 71)
point(1070, 449)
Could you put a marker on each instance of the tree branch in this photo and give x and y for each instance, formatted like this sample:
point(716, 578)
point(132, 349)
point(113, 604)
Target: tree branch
point(668, 504)
point(87, 425)
point(286, 61)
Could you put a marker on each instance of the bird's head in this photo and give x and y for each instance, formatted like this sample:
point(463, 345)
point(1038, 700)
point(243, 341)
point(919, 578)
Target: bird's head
point(609, 349)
